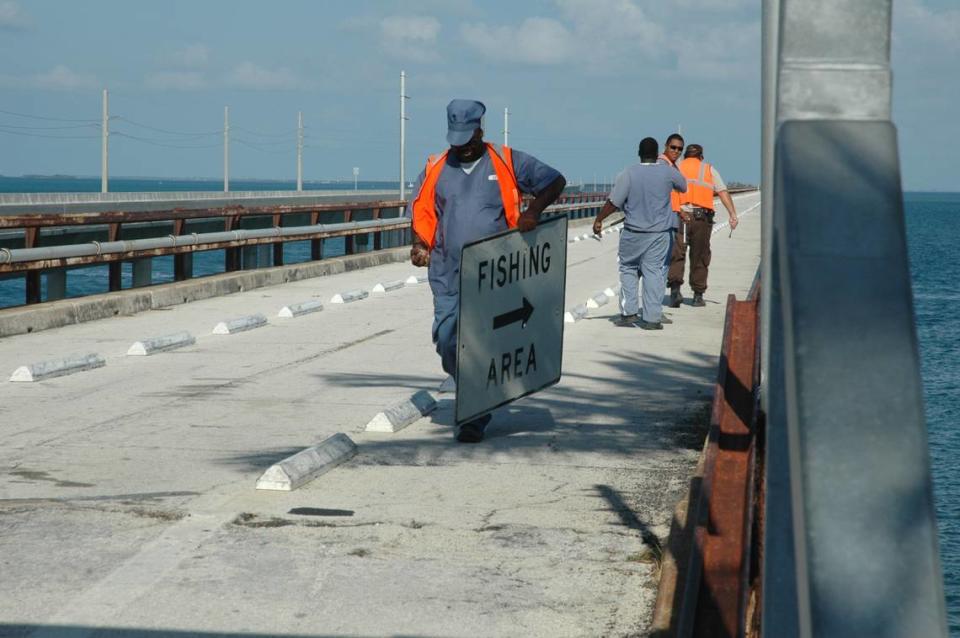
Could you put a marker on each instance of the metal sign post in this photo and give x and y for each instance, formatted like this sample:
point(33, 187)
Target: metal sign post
point(510, 329)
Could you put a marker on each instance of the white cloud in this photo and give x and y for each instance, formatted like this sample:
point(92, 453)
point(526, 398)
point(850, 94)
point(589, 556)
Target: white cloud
point(919, 25)
point(176, 81)
point(533, 41)
point(248, 75)
point(589, 33)
point(61, 77)
point(192, 56)
point(412, 37)
point(733, 51)
point(12, 17)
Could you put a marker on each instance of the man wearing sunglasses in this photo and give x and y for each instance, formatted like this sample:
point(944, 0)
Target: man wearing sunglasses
point(696, 213)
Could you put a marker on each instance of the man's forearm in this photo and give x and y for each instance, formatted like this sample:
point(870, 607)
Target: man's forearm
point(607, 210)
point(546, 197)
point(727, 202)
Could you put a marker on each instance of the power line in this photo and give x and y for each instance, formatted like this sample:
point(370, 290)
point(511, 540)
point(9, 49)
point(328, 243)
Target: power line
point(40, 117)
point(164, 143)
point(166, 131)
point(288, 134)
point(53, 137)
point(48, 128)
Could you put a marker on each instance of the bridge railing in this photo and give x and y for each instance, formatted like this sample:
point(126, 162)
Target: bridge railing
point(250, 236)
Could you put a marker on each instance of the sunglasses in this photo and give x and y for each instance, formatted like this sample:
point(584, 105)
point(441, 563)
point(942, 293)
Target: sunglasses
point(676, 148)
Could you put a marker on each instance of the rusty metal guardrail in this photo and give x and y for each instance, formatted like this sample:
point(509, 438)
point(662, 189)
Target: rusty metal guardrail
point(720, 597)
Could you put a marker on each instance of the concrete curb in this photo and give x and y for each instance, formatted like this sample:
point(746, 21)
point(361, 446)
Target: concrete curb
point(599, 299)
point(575, 314)
point(389, 286)
point(349, 296)
point(308, 464)
point(413, 280)
point(240, 324)
point(402, 414)
point(54, 314)
point(57, 367)
point(298, 309)
point(153, 345)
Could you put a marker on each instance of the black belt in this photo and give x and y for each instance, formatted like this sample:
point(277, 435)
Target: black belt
point(634, 230)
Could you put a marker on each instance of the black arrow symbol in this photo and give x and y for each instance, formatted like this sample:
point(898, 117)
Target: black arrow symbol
point(520, 314)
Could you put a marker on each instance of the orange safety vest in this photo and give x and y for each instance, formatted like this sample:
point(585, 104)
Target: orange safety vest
point(425, 205)
point(699, 183)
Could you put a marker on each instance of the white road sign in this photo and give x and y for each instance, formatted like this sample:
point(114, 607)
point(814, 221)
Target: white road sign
point(510, 329)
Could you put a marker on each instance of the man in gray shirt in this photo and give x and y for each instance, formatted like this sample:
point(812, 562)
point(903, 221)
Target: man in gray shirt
point(642, 192)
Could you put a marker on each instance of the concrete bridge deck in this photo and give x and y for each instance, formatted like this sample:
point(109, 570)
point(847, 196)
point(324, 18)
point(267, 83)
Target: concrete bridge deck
point(127, 504)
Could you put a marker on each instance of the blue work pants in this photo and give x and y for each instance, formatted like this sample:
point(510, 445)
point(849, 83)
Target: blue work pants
point(643, 255)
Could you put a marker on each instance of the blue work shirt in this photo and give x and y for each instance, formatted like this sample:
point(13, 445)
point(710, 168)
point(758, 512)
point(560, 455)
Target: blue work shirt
point(469, 207)
point(642, 192)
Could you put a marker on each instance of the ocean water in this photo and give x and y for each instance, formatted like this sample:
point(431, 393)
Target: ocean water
point(935, 272)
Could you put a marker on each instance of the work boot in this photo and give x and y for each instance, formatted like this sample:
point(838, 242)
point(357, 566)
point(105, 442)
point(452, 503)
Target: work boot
point(650, 325)
point(627, 321)
point(665, 320)
point(676, 299)
point(698, 300)
point(472, 431)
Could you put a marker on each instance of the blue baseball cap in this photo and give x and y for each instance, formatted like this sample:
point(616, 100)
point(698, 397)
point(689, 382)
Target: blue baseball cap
point(463, 118)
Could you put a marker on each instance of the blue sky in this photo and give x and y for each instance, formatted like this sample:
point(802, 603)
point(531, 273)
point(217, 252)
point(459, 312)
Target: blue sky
point(584, 80)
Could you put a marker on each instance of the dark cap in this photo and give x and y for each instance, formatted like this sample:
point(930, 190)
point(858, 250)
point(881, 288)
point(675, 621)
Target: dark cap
point(693, 150)
point(463, 118)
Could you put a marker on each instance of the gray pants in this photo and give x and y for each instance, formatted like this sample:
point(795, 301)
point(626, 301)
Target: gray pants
point(643, 255)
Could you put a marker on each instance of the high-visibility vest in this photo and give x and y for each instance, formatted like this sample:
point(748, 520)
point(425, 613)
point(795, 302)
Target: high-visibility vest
point(699, 183)
point(425, 206)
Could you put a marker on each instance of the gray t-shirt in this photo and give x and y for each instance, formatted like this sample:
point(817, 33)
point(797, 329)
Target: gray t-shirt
point(642, 192)
point(469, 207)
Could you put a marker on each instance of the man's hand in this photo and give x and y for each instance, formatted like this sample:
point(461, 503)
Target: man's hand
point(419, 253)
point(733, 222)
point(686, 216)
point(527, 221)
point(597, 226)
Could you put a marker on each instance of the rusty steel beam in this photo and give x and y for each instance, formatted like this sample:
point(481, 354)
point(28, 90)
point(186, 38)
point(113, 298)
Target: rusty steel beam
point(109, 217)
point(720, 574)
point(233, 245)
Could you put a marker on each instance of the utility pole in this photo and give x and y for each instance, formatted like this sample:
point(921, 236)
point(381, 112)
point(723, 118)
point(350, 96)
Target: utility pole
point(300, 151)
point(679, 130)
point(506, 126)
point(403, 132)
point(356, 173)
point(105, 150)
point(226, 149)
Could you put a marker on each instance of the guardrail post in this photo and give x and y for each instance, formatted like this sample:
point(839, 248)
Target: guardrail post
point(182, 262)
point(377, 236)
point(142, 272)
point(56, 284)
point(115, 268)
point(31, 235)
point(231, 255)
point(348, 240)
point(316, 245)
point(278, 246)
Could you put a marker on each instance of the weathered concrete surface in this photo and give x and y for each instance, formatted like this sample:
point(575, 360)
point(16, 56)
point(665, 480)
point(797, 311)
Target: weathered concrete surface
point(127, 497)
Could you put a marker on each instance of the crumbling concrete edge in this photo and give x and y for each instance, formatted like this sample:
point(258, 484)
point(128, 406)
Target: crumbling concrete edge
point(54, 314)
point(675, 560)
